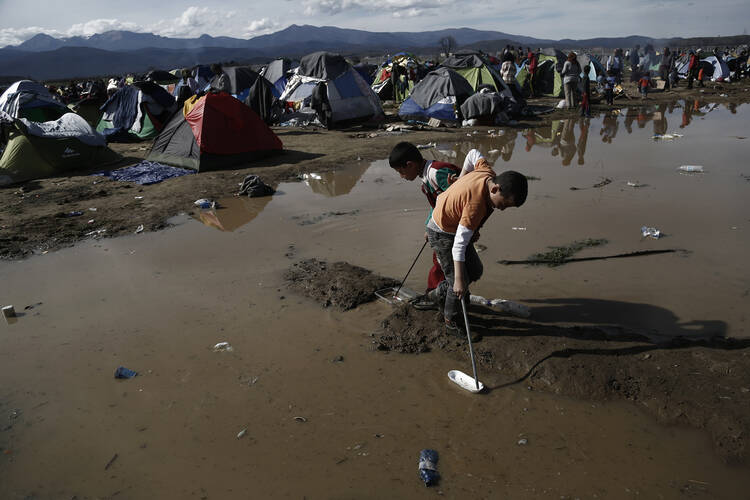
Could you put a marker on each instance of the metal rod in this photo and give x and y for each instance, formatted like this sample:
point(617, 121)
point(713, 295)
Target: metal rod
point(468, 337)
point(407, 272)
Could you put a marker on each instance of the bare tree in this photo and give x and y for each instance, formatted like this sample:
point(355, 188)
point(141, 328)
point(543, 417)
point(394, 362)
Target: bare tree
point(447, 43)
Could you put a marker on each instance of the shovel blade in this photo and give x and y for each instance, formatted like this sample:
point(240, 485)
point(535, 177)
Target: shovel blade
point(465, 381)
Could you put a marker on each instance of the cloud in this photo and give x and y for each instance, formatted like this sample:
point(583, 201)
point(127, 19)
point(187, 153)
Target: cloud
point(100, 26)
point(398, 8)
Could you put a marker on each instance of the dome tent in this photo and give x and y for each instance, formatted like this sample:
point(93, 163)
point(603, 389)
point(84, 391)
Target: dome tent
point(329, 87)
point(439, 95)
point(32, 100)
point(218, 131)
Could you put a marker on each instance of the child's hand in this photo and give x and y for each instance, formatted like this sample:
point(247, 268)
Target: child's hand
point(452, 178)
point(459, 287)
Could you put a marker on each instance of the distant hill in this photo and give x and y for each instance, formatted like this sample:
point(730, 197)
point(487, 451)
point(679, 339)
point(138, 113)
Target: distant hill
point(117, 52)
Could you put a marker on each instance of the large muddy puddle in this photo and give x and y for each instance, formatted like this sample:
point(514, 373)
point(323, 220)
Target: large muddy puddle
point(324, 415)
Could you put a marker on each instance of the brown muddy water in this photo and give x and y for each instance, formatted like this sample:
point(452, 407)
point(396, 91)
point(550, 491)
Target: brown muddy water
point(158, 302)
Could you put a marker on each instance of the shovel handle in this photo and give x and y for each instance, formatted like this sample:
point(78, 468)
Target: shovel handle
point(468, 337)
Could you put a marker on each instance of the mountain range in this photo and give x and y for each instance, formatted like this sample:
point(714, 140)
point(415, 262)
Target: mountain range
point(44, 57)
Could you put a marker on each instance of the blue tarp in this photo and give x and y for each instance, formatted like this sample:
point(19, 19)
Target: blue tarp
point(125, 103)
point(145, 172)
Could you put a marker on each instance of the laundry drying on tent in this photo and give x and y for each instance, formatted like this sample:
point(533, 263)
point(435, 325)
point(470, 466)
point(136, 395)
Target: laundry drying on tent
point(439, 95)
point(213, 131)
point(329, 88)
point(136, 112)
point(35, 150)
point(489, 108)
point(32, 100)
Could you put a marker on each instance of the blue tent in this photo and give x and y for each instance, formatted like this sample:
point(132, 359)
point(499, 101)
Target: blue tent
point(439, 95)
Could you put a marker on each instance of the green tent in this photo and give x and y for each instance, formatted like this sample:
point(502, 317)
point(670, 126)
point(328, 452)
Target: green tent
point(548, 81)
point(475, 68)
point(35, 151)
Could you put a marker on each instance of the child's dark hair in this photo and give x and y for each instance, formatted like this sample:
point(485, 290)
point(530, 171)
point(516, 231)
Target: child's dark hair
point(586, 68)
point(403, 152)
point(513, 185)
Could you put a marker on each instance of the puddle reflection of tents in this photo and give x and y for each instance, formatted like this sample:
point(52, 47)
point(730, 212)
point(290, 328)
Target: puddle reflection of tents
point(336, 183)
point(233, 212)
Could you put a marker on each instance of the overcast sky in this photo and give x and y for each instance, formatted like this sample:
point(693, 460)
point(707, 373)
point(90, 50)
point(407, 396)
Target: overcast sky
point(22, 19)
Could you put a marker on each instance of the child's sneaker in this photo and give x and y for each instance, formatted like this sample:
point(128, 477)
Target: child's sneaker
point(427, 302)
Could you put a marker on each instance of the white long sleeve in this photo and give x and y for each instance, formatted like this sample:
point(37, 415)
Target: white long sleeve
point(472, 158)
point(460, 242)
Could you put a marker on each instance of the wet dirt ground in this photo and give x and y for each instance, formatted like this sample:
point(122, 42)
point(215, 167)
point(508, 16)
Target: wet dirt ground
point(158, 302)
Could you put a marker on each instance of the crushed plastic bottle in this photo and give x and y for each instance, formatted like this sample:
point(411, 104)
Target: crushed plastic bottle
point(204, 203)
point(691, 168)
point(428, 466)
point(506, 306)
point(650, 232)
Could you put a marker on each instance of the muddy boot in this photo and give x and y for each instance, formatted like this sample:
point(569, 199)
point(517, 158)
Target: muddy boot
point(453, 329)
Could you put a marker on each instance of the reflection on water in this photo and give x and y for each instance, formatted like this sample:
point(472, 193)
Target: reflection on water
point(567, 138)
point(337, 182)
point(233, 212)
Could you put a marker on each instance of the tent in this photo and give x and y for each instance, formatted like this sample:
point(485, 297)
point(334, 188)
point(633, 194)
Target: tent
point(260, 99)
point(366, 71)
point(32, 100)
point(398, 73)
point(597, 68)
point(326, 85)
point(218, 131)
point(135, 112)
point(475, 68)
point(439, 95)
point(719, 70)
point(707, 66)
point(161, 77)
point(241, 78)
point(35, 150)
point(548, 81)
point(277, 73)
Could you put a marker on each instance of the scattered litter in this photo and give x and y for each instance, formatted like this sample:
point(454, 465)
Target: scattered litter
point(92, 209)
point(254, 187)
point(74, 213)
point(338, 359)
point(426, 146)
point(650, 232)
point(111, 461)
point(603, 183)
point(635, 184)
point(315, 177)
point(96, 232)
point(204, 203)
point(90, 221)
point(9, 312)
point(561, 104)
point(379, 435)
point(138, 197)
point(241, 433)
point(223, 346)
point(723, 95)
point(123, 372)
point(252, 381)
point(493, 151)
point(666, 137)
point(523, 442)
point(519, 228)
point(300, 419)
point(428, 466)
point(139, 229)
point(691, 168)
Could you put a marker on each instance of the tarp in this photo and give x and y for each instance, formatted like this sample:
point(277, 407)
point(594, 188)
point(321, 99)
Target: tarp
point(323, 65)
point(483, 105)
point(241, 78)
point(145, 173)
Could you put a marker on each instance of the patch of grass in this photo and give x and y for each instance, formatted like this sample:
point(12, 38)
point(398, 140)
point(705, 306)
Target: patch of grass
point(556, 256)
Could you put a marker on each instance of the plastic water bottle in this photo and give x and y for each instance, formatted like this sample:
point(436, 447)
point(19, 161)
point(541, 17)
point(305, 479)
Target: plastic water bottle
point(428, 466)
point(506, 306)
point(691, 168)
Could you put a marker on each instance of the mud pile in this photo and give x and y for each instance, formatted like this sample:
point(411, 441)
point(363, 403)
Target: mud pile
point(339, 284)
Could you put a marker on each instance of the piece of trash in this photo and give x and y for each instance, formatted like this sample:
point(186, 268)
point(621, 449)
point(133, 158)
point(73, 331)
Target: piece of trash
point(379, 435)
point(666, 137)
point(252, 381)
point(123, 372)
point(602, 183)
point(723, 95)
point(507, 306)
point(561, 104)
point(92, 209)
point(519, 228)
point(9, 312)
point(241, 433)
point(223, 346)
point(650, 232)
point(338, 359)
point(90, 221)
point(635, 184)
point(428, 460)
point(139, 229)
point(111, 461)
point(96, 232)
point(204, 203)
point(426, 146)
point(300, 419)
point(691, 168)
point(74, 213)
point(138, 197)
point(523, 442)
point(493, 151)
